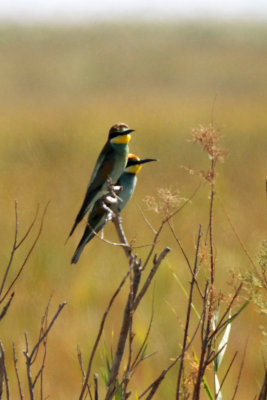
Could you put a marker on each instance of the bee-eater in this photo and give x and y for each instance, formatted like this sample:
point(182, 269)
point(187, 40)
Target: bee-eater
point(110, 164)
point(100, 213)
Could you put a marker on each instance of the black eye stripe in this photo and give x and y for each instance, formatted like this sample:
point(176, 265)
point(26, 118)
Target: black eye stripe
point(132, 162)
point(112, 135)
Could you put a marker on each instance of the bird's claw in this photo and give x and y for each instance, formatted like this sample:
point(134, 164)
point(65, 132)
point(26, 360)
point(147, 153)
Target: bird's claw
point(110, 213)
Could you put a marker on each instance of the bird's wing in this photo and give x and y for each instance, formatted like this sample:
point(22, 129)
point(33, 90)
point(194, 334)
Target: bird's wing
point(128, 183)
point(104, 169)
point(96, 221)
point(104, 152)
point(99, 177)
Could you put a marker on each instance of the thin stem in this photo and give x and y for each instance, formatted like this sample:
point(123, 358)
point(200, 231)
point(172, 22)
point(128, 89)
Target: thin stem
point(188, 315)
point(185, 256)
point(240, 370)
point(212, 194)
point(263, 278)
point(29, 229)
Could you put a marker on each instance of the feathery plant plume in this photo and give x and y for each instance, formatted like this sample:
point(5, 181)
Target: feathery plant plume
point(262, 257)
point(165, 203)
point(209, 140)
point(253, 285)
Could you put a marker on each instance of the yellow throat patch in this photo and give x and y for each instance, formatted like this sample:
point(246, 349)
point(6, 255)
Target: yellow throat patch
point(133, 169)
point(123, 139)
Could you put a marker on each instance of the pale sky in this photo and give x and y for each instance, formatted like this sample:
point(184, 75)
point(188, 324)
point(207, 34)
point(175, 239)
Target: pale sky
point(79, 10)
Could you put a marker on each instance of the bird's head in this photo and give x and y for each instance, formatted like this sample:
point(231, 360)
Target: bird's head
point(120, 133)
point(134, 163)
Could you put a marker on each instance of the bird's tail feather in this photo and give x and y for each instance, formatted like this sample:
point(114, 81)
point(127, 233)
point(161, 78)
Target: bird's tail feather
point(84, 240)
point(85, 207)
point(77, 253)
point(72, 229)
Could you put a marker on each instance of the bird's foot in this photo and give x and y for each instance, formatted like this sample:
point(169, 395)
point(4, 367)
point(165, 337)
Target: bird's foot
point(111, 199)
point(110, 213)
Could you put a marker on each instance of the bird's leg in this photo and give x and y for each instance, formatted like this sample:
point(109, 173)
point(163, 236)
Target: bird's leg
point(113, 191)
point(111, 199)
point(110, 213)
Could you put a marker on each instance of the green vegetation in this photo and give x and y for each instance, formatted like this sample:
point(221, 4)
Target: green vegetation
point(61, 90)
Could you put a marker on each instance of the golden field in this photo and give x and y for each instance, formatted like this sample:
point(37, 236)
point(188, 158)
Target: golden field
point(61, 90)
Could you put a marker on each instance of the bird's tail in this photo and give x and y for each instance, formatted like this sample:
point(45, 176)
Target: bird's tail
point(72, 230)
point(87, 237)
point(85, 207)
point(77, 253)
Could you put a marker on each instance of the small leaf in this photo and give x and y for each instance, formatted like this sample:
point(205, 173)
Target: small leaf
point(222, 346)
point(207, 388)
point(104, 376)
point(215, 317)
point(240, 309)
point(218, 393)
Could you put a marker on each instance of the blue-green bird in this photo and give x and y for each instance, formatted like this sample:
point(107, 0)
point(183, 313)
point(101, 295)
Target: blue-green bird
point(110, 164)
point(100, 213)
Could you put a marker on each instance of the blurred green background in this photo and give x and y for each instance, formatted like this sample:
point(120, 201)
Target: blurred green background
point(61, 90)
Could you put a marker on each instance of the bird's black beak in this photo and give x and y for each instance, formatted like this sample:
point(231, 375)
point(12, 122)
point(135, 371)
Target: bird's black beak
point(127, 131)
point(146, 160)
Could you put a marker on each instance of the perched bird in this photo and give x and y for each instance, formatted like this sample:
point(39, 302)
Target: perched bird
point(110, 164)
point(102, 210)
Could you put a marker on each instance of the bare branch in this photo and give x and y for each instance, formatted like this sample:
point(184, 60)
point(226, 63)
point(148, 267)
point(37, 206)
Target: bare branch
point(80, 359)
point(96, 386)
point(127, 248)
point(3, 373)
point(12, 252)
point(6, 307)
point(156, 264)
point(2, 370)
point(26, 258)
point(86, 379)
point(60, 307)
point(135, 266)
point(28, 368)
point(153, 245)
point(15, 361)
point(29, 229)
point(31, 357)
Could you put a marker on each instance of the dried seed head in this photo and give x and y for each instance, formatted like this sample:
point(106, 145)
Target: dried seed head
point(209, 138)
